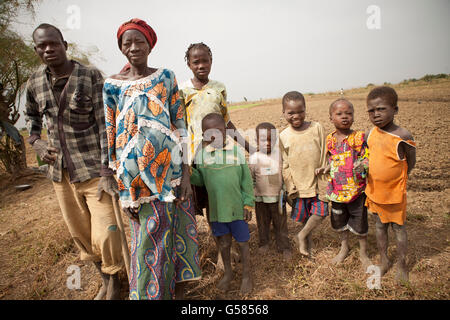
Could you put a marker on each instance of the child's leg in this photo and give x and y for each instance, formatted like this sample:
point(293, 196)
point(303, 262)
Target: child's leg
point(234, 254)
point(340, 216)
point(382, 242)
point(358, 224)
point(310, 242)
point(402, 246)
point(263, 223)
point(219, 262)
point(281, 229)
point(240, 232)
point(343, 252)
point(317, 211)
point(246, 284)
point(225, 250)
point(363, 257)
point(312, 223)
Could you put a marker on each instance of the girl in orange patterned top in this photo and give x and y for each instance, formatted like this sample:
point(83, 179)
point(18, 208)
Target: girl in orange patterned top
point(348, 161)
point(392, 157)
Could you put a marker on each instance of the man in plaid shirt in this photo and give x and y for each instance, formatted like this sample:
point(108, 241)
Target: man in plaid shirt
point(70, 96)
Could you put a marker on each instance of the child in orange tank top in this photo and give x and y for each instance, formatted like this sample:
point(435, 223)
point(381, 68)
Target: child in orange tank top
point(392, 156)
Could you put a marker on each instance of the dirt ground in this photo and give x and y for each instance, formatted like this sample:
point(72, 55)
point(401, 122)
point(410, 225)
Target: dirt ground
point(36, 249)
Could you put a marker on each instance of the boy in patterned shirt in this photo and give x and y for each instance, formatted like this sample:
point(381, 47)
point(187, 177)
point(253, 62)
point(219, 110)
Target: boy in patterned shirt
point(348, 161)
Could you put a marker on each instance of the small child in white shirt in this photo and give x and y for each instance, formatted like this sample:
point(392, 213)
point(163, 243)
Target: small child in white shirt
point(265, 166)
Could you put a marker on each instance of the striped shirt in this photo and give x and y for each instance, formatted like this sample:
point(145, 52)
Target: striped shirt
point(76, 128)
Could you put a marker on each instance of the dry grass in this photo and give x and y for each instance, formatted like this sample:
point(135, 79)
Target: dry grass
point(36, 249)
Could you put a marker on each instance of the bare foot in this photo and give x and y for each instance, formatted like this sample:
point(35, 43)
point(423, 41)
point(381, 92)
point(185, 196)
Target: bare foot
point(302, 245)
point(113, 288)
point(366, 262)
point(105, 280)
point(179, 290)
point(402, 274)
point(310, 243)
point(263, 249)
point(287, 255)
point(384, 265)
point(102, 292)
point(340, 257)
point(246, 285)
point(224, 283)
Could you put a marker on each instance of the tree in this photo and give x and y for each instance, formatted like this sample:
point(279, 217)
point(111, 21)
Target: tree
point(17, 62)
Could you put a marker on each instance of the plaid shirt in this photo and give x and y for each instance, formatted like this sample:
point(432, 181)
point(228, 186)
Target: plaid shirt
point(76, 128)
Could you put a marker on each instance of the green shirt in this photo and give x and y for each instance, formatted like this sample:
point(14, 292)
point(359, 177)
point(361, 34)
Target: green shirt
point(227, 178)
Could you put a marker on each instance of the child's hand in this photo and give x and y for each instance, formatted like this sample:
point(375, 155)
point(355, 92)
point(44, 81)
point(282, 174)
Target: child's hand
point(247, 215)
point(360, 166)
point(323, 170)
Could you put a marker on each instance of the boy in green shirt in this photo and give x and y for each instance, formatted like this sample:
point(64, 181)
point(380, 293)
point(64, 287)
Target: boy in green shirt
point(222, 169)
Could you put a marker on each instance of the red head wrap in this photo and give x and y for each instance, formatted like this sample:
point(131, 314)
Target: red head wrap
point(140, 25)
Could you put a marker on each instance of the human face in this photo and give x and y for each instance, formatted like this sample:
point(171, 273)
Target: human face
point(214, 133)
point(381, 114)
point(50, 48)
point(264, 137)
point(200, 63)
point(135, 47)
point(295, 113)
point(342, 115)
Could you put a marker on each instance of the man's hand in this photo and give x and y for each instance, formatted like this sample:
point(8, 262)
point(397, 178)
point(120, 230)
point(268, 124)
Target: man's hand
point(45, 152)
point(132, 213)
point(107, 184)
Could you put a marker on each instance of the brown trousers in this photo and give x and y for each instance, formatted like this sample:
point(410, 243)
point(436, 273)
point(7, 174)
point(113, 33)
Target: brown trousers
point(267, 213)
point(92, 223)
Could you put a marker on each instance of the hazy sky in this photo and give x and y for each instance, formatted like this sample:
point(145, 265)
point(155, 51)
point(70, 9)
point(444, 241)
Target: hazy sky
point(262, 49)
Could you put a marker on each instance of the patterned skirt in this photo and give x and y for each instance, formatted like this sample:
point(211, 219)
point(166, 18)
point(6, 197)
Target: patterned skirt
point(164, 250)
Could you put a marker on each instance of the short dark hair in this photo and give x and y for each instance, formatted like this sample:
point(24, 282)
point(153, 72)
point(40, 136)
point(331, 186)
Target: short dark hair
point(388, 94)
point(339, 100)
point(48, 26)
point(213, 117)
point(199, 45)
point(264, 126)
point(293, 96)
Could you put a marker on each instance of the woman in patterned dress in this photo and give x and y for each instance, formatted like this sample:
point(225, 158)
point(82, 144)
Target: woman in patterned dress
point(145, 123)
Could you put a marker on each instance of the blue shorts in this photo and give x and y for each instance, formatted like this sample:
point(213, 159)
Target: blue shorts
point(238, 229)
point(306, 207)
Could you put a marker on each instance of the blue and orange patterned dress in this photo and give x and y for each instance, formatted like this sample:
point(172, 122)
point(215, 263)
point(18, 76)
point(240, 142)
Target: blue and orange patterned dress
point(145, 123)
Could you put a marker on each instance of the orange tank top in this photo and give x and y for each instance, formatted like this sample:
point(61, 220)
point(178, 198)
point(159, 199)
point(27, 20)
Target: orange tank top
point(386, 183)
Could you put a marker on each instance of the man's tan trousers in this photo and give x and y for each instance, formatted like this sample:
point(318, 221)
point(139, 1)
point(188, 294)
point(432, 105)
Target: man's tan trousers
point(92, 223)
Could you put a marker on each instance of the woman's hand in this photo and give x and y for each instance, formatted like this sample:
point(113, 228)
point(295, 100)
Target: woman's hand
point(185, 187)
point(185, 190)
